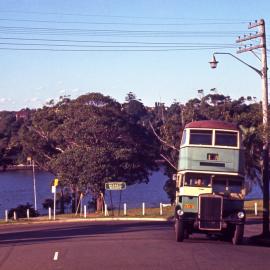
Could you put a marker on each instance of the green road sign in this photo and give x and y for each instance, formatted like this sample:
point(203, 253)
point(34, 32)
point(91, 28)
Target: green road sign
point(115, 185)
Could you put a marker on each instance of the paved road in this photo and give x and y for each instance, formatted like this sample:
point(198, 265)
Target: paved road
point(120, 245)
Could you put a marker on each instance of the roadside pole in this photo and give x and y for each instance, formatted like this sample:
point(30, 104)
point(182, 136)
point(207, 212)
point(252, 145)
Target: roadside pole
point(125, 209)
point(120, 200)
point(55, 184)
point(6, 215)
point(34, 185)
point(263, 74)
point(54, 201)
point(161, 209)
point(50, 213)
point(111, 202)
point(143, 208)
point(106, 210)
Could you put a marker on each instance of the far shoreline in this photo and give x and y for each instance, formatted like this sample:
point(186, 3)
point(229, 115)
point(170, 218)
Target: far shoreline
point(20, 167)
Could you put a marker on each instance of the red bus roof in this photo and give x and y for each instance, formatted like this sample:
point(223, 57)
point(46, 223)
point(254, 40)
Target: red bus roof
point(212, 124)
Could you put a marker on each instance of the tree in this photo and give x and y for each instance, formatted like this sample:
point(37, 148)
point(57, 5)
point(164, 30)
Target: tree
point(134, 108)
point(10, 147)
point(243, 112)
point(89, 141)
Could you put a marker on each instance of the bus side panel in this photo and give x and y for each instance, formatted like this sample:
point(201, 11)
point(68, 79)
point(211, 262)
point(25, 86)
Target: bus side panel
point(197, 159)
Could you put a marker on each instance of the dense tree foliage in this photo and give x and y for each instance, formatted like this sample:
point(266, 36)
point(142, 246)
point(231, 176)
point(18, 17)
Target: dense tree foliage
point(94, 139)
point(10, 146)
point(89, 141)
point(246, 113)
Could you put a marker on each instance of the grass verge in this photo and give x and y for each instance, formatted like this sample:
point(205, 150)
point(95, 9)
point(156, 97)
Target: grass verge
point(167, 212)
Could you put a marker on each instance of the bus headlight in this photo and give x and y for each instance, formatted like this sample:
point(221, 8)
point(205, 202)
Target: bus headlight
point(180, 212)
point(241, 215)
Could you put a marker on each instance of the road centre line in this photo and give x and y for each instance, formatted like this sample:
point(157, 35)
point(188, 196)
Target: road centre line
point(55, 257)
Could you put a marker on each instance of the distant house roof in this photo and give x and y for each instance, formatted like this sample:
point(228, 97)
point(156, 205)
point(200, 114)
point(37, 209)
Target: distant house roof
point(22, 114)
point(212, 124)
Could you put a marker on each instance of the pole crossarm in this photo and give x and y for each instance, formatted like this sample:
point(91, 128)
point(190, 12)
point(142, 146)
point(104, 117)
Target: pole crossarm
point(256, 23)
point(249, 37)
point(240, 60)
point(249, 49)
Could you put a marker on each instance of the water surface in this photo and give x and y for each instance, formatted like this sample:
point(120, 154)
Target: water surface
point(17, 188)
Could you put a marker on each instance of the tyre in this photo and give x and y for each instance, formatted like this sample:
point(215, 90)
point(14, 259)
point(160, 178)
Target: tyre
point(238, 234)
point(229, 233)
point(179, 230)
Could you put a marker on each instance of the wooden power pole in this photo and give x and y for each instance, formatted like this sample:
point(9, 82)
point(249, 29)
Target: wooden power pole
point(265, 154)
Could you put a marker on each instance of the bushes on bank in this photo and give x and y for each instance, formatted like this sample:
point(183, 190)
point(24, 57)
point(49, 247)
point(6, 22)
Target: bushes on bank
point(21, 211)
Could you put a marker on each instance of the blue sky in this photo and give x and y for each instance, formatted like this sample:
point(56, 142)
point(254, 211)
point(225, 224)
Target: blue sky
point(29, 78)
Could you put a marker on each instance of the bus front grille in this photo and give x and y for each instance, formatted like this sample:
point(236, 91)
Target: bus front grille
point(210, 212)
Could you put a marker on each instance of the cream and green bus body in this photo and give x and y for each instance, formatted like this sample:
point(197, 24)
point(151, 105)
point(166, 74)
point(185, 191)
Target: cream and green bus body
point(210, 181)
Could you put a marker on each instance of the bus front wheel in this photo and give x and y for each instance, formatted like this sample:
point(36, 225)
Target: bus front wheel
point(238, 234)
point(179, 230)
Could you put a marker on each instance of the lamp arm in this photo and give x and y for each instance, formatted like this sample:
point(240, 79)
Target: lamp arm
point(255, 69)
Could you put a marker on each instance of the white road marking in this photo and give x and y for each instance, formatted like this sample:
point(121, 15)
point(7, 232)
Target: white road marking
point(55, 257)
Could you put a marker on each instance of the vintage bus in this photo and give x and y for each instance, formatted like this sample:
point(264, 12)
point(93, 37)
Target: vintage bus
point(210, 181)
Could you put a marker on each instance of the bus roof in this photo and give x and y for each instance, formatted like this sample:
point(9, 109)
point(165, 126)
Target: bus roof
point(216, 124)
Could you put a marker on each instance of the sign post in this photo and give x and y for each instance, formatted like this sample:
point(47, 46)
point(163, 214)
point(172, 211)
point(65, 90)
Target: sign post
point(55, 184)
point(115, 186)
point(54, 200)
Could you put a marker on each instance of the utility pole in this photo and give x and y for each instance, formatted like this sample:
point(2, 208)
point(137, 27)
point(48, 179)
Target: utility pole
point(34, 184)
point(265, 154)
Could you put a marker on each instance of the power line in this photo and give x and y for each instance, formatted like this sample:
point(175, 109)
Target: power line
point(118, 42)
point(113, 32)
point(126, 17)
point(108, 50)
point(23, 28)
point(116, 46)
point(118, 23)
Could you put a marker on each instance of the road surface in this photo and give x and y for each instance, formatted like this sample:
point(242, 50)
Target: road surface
point(121, 245)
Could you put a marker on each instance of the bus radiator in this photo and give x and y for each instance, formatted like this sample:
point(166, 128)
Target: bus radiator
point(210, 212)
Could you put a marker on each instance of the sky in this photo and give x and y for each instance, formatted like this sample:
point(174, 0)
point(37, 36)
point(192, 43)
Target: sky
point(157, 49)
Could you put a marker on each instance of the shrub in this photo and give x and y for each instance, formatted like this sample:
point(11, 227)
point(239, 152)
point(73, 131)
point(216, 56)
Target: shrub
point(47, 203)
point(21, 211)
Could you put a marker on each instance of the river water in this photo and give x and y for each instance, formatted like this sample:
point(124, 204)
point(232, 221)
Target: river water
point(17, 188)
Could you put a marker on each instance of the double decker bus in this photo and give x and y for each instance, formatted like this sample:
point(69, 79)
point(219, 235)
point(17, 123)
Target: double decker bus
point(210, 181)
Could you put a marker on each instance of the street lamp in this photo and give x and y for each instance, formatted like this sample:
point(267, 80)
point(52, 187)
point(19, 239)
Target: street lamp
point(265, 154)
point(213, 63)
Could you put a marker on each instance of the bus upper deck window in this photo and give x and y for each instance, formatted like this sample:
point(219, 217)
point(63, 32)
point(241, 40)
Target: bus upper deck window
point(203, 137)
point(226, 138)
